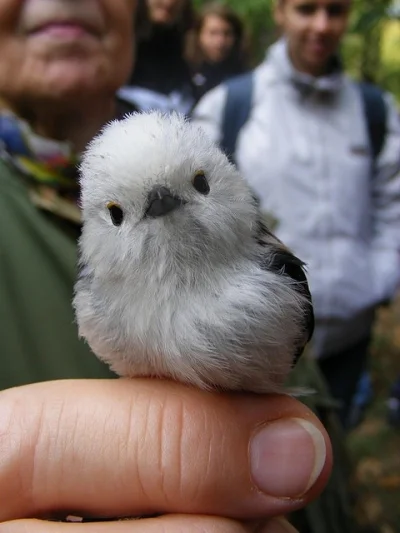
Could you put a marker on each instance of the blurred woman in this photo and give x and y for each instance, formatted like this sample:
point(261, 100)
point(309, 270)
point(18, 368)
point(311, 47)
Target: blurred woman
point(216, 48)
point(161, 78)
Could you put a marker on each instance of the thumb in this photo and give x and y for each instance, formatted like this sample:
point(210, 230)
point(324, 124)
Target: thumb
point(139, 447)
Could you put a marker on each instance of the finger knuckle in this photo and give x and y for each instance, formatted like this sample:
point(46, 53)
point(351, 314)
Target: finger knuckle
point(177, 456)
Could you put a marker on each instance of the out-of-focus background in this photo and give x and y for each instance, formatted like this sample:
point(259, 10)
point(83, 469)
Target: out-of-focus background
point(374, 445)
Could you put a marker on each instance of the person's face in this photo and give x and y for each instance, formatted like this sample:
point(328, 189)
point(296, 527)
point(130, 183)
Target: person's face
point(216, 38)
point(64, 49)
point(313, 29)
point(165, 11)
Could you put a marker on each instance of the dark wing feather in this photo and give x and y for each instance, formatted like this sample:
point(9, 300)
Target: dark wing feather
point(284, 262)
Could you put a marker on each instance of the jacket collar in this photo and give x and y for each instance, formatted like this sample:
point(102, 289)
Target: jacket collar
point(278, 57)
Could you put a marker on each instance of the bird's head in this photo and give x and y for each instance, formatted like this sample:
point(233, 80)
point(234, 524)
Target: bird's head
point(153, 183)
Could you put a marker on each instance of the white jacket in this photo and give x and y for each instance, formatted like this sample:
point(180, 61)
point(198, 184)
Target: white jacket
point(305, 152)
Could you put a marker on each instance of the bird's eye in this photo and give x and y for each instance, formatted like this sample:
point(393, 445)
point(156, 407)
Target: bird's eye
point(200, 183)
point(116, 213)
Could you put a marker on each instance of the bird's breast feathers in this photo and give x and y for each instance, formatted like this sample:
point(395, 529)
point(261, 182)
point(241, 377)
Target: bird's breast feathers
point(238, 328)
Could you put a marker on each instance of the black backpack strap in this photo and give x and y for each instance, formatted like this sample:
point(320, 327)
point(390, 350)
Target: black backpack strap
point(237, 110)
point(376, 116)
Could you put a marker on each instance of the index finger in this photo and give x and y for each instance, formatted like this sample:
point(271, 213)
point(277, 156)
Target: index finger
point(137, 447)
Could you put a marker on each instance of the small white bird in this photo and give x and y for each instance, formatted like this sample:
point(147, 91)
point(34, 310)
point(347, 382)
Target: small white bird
point(178, 277)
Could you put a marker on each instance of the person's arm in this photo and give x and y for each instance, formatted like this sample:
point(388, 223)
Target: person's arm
point(208, 112)
point(210, 462)
point(385, 200)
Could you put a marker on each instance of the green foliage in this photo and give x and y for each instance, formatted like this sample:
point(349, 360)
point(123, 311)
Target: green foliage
point(363, 47)
point(367, 14)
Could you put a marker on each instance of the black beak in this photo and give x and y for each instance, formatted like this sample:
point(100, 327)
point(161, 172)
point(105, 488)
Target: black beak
point(161, 201)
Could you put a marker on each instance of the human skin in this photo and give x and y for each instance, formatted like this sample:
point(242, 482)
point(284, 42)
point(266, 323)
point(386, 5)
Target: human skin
point(62, 62)
point(121, 448)
point(165, 12)
point(216, 38)
point(313, 29)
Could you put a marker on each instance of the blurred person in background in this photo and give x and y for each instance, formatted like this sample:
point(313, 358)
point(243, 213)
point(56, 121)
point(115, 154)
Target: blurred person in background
point(161, 78)
point(216, 47)
point(78, 444)
point(306, 151)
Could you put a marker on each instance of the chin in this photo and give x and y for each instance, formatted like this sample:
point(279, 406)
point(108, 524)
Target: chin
point(315, 68)
point(71, 79)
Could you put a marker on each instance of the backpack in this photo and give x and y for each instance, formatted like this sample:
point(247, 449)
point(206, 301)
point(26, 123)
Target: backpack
point(239, 103)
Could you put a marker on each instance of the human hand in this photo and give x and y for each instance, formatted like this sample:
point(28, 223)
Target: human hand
point(122, 448)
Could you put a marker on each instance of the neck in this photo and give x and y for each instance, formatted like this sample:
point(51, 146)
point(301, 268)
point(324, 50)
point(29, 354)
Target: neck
point(315, 73)
point(75, 124)
point(329, 67)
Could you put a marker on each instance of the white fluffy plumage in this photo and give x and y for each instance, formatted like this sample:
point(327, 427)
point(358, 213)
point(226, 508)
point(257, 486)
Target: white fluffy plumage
point(177, 278)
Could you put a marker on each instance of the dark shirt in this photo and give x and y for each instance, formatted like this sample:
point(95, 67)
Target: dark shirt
point(161, 69)
point(209, 75)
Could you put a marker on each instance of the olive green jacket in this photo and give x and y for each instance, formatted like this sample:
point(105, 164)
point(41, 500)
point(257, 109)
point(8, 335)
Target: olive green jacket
point(38, 253)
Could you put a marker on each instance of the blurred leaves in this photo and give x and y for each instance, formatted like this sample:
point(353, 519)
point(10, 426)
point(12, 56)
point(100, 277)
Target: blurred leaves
point(375, 445)
point(367, 14)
